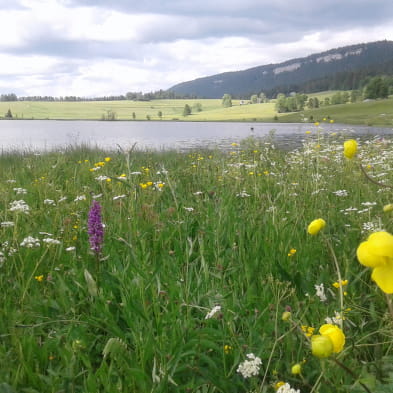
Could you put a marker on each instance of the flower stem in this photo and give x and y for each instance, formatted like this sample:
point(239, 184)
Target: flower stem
point(352, 374)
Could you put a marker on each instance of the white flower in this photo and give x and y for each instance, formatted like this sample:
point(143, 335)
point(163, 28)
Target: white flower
point(102, 178)
point(198, 193)
point(243, 194)
point(72, 248)
point(62, 199)
point(250, 367)
point(30, 242)
point(334, 320)
point(188, 209)
point(49, 240)
point(286, 388)
point(136, 173)
point(96, 196)
point(115, 198)
point(320, 292)
point(6, 224)
point(80, 198)
point(341, 193)
point(10, 181)
point(19, 190)
point(212, 312)
point(19, 206)
point(50, 202)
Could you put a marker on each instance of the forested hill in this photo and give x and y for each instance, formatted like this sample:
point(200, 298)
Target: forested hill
point(340, 68)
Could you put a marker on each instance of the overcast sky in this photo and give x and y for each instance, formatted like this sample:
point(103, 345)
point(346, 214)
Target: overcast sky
point(104, 47)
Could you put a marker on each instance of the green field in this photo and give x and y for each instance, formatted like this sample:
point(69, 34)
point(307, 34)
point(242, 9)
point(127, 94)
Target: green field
point(378, 113)
point(206, 279)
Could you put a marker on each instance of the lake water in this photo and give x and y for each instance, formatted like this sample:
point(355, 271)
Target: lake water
point(41, 135)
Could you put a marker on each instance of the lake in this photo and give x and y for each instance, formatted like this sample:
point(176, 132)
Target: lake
point(43, 135)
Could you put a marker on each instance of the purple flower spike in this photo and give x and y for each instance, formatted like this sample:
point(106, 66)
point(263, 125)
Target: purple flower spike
point(95, 228)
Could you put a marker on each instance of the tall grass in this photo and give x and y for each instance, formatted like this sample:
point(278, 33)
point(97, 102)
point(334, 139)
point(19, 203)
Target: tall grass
point(185, 233)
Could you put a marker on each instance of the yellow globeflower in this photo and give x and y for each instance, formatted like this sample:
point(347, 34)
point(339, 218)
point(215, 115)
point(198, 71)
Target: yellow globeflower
point(321, 346)
point(296, 369)
point(377, 252)
point(335, 334)
point(315, 226)
point(388, 208)
point(350, 148)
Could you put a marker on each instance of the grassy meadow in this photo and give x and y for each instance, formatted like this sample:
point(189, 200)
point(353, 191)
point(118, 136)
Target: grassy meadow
point(377, 113)
point(205, 279)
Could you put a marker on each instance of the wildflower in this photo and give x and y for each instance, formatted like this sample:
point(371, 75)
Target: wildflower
point(80, 198)
point(213, 312)
point(388, 208)
point(320, 292)
point(292, 252)
point(315, 226)
point(30, 242)
point(107, 159)
point(296, 369)
point(330, 340)
point(377, 252)
point(350, 148)
point(102, 178)
point(307, 330)
point(95, 228)
point(49, 241)
point(7, 224)
point(286, 388)
point(72, 248)
point(243, 194)
point(340, 283)
point(250, 367)
point(19, 190)
point(278, 384)
point(115, 198)
point(227, 349)
point(286, 316)
point(188, 209)
point(19, 207)
point(39, 278)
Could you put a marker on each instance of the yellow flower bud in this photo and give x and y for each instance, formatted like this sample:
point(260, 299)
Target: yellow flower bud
point(296, 369)
point(315, 226)
point(321, 346)
point(388, 208)
point(350, 148)
point(286, 315)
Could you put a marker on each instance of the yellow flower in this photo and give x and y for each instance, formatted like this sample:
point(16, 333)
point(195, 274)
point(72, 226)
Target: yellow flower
point(388, 208)
point(338, 284)
point(279, 384)
point(286, 315)
point(321, 346)
point(107, 159)
point(292, 252)
point(377, 252)
point(227, 349)
point(350, 148)
point(39, 278)
point(335, 334)
point(296, 369)
point(316, 123)
point(315, 226)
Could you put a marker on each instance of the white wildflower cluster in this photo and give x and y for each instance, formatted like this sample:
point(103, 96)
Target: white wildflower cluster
point(243, 194)
point(250, 367)
point(115, 198)
point(341, 193)
point(371, 227)
point(188, 209)
point(7, 224)
point(96, 196)
point(213, 312)
point(49, 202)
point(71, 248)
point(19, 207)
point(49, 241)
point(158, 185)
point(62, 199)
point(320, 292)
point(10, 181)
point(80, 198)
point(286, 388)
point(336, 320)
point(30, 242)
point(102, 178)
point(19, 190)
point(136, 173)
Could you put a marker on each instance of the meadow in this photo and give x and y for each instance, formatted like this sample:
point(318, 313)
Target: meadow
point(138, 271)
point(377, 112)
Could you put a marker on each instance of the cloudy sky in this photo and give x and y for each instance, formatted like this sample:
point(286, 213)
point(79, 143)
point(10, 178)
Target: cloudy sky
point(103, 47)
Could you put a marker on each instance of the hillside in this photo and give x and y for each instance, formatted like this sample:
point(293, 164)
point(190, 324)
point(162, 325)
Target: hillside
point(319, 71)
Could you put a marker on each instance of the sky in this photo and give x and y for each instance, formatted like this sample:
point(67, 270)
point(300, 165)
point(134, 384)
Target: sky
point(92, 48)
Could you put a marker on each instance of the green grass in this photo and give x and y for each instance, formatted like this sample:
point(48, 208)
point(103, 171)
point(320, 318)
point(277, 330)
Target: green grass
point(218, 231)
point(378, 113)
